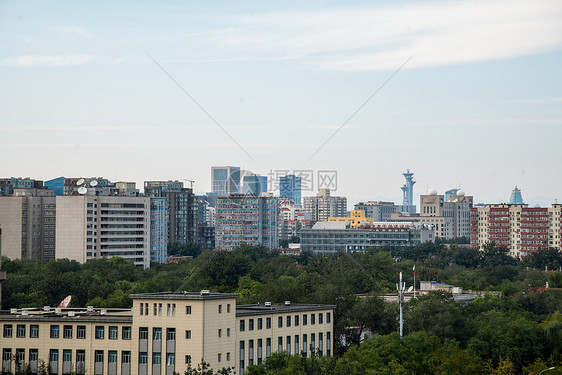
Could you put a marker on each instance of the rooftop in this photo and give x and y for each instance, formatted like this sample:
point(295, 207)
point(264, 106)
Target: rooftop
point(204, 294)
point(268, 307)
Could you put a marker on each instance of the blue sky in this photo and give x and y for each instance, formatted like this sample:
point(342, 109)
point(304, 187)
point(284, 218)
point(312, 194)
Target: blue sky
point(479, 104)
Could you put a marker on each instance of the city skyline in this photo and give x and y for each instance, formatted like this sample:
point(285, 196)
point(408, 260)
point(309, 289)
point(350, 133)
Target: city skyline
point(477, 105)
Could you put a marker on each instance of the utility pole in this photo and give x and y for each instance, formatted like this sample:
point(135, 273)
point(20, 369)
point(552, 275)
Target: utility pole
point(400, 286)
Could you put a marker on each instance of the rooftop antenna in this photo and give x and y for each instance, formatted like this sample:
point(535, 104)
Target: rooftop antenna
point(400, 286)
point(93, 183)
point(80, 182)
point(82, 190)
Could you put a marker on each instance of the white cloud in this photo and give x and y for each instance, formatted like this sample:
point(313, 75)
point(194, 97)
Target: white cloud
point(373, 38)
point(53, 60)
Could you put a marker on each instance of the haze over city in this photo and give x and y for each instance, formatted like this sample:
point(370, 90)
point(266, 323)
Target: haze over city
point(477, 104)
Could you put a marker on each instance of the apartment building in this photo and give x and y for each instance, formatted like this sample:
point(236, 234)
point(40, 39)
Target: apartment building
point(378, 210)
point(246, 219)
point(520, 228)
point(324, 205)
point(162, 334)
point(91, 226)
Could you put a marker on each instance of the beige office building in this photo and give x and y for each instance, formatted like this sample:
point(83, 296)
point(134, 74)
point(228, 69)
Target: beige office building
point(162, 334)
point(91, 226)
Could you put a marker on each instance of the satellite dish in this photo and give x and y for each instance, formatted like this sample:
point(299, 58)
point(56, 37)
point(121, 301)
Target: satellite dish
point(410, 289)
point(93, 183)
point(80, 182)
point(82, 190)
point(65, 302)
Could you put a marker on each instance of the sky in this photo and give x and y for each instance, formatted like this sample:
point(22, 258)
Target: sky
point(462, 93)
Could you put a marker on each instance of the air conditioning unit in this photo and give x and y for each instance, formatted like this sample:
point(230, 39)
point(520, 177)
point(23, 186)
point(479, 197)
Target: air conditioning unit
point(13, 311)
point(58, 310)
point(205, 292)
point(287, 303)
point(25, 313)
point(267, 304)
point(103, 312)
point(46, 308)
point(90, 308)
point(71, 313)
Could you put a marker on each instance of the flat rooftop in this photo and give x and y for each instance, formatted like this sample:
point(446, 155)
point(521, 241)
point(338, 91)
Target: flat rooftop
point(277, 308)
point(204, 294)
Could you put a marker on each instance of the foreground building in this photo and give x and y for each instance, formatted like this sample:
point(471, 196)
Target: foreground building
point(162, 334)
point(334, 236)
point(522, 229)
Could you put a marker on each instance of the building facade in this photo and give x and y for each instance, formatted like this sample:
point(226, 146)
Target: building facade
point(246, 219)
point(290, 187)
point(378, 210)
point(162, 334)
point(292, 219)
point(225, 180)
point(523, 230)
point(355, 219)
point(158, 229)
point(90, 227)
point(332, 237)
point(254, 184)
point(323, 206)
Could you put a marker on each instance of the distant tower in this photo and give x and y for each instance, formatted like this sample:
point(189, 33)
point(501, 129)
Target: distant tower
point(408, 190)
point(516, 197)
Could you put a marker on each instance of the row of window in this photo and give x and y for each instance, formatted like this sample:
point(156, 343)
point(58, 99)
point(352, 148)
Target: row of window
point(157, 309)
point(157, 333)
point(67, 331)
point(288, 319)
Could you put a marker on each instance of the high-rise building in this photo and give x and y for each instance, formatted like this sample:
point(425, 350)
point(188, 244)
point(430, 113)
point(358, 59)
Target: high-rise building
point(182, 208)
point(28, 219)
point(159, 229)
point(408, 192)
point(246, 219)
point(378, 210)
point(8, 185)
point(516, 197)
point(91, 227)
point(292, 219)
point(523, 230)
point(254, 184)
point(290, 187)
point(450, 193)
point(225, 180)
point(323, 206)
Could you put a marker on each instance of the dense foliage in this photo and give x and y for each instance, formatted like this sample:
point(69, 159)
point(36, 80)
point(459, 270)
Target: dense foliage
point(516, 331)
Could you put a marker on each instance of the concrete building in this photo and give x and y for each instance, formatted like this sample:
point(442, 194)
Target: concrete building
point(522, 229)
point(323, 206)
point(408, 193)
point(225, 180)
point(182, 208)
point(378, 210)
point(8, 185)
point(292, 219)
point(290, 187)
point(162, 334)
point(28, 219)
point(331, 237)
point(355, 219)
point(90, 226)
point(254, 184)
point(159, 229)
point(449, 219)
point(2, 273)
point(246, 219)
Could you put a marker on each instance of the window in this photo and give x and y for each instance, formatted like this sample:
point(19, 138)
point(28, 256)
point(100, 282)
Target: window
point(100, 332)
point(219, 357)
point(304, 345)
point(54, 331)
point(242, 325)
point(80, 356)
point(143, 333)
point(312, 319)
point(53, 355)
point(228, 332)
point(143, 358)
point(99, 356)
point(220, 309)
point(268, 323)
point(327, 317)
point(304, 319)
point(280, 344)
point(156, 333)
point(228, 356)
point(168, 310)
point(313, 340)
point(267, 347)
point(8, 328)
point(296, 344)
point(227, 310)
point(34, 331)
point(156, 358)
point(188, 334)
point(288, 343)
point(7, 354)
point(188, 310)
point(159, 309)
point(20, 358)
point(81, 332)
point(320, 318)
point(170, 359)
point(260, 344)
point(126, 333)
point(67, 355)
point(67, 332)
point(288, 320)
point(251, 324)
point(170, 334)
point(154, 309)
point(142, 308)
point(220, 332)
point(260, 323)
point(125, 357)
point(173, 309)
point(280, 322)
point(20, 331)
point(187, 359)
point(296, 320)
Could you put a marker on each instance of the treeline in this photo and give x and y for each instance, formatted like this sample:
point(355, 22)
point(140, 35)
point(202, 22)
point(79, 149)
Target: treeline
point(516, 329)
